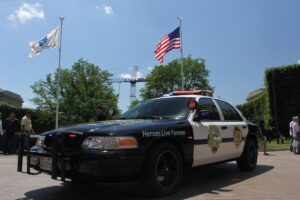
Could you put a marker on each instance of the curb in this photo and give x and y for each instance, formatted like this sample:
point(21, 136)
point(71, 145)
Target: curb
point(279, 149)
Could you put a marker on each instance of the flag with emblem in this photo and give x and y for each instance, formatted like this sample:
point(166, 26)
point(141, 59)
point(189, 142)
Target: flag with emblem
point(169, 42)
point(49, 41)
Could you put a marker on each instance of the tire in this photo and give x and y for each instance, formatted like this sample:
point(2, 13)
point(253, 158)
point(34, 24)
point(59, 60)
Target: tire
point(162, 171)
point(77, 181)
point(248, 160)
point(80, 180)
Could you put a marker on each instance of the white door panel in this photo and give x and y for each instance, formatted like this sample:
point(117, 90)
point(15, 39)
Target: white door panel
point(203, 152)
point(236, 131)
point(201, 159)
point(218, 139)
point(228, 149)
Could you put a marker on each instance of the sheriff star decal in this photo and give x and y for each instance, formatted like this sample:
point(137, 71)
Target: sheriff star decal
point(214, 138)
point(237, 136)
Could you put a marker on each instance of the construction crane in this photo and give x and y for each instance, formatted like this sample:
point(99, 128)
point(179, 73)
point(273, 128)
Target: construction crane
point(132, 80)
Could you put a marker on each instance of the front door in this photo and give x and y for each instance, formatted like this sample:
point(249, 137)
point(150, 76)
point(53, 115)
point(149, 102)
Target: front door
point(207, 134)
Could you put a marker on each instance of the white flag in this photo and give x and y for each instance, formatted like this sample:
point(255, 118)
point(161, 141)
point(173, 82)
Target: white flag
point(49, 41)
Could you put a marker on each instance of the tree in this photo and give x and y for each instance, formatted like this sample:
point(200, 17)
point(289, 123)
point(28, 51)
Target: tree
point(167, 78)
point(133, 103)
point(82, 88)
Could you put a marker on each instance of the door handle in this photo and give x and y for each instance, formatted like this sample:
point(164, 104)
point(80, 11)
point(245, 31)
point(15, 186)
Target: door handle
point(223, 127)
point(244, 127)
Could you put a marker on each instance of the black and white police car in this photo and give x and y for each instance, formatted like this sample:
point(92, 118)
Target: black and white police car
point(152, 142)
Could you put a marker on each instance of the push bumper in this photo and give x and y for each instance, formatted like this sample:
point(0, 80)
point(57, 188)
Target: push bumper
point(110, 164)
point(102, 165)
point(92, 164)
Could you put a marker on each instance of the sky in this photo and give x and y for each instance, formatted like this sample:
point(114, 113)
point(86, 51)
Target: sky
point(238, 39)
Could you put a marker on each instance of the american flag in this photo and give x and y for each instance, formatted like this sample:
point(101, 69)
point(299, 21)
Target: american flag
point(169, 42)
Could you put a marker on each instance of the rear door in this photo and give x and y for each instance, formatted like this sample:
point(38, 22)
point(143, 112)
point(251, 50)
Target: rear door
point(234, 130)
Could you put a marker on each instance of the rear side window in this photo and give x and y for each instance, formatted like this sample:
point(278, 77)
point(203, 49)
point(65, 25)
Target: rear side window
point(209, 105)
point(229, 112)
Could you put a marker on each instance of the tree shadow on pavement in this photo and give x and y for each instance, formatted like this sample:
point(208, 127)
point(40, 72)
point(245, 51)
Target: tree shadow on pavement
point(196, 181)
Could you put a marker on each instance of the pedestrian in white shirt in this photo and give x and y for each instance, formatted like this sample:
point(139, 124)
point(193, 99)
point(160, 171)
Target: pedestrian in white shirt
point(1, 131)
point(296, 135)
point(291, 134)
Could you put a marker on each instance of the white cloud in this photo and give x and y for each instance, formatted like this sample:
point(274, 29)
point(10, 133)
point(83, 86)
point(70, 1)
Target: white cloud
point(128, 76)
point(108, 10)
point(298, 61)
point(27, 12)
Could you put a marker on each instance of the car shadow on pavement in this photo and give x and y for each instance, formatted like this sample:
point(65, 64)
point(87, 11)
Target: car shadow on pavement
point(196, 181)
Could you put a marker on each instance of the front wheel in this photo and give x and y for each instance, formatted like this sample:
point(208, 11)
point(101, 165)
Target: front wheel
point(163, 170)
point(248, 160)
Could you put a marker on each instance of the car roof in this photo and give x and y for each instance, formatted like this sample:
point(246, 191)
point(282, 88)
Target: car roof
point(190, 95)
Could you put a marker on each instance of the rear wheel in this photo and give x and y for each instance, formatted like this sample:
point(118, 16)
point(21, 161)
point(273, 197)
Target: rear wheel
point(248, 160)
point(78, 181)
point(163, 170)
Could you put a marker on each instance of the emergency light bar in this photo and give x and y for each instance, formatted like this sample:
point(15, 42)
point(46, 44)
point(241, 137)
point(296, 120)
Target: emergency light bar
point(192, 92)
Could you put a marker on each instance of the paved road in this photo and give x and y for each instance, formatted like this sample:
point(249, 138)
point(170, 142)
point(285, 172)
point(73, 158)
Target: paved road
point(276, 177)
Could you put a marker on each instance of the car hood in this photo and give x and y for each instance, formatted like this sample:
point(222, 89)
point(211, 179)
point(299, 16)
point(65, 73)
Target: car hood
point(119, 127)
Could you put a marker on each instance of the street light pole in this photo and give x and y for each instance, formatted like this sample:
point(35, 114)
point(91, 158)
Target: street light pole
point(58, 74)
point(181, 51)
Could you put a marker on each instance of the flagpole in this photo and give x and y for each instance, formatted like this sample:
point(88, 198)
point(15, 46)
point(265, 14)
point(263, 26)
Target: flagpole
point(58, 73)
point(181, 51)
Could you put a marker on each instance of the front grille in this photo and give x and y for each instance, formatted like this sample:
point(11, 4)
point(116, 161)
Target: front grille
point(71, 143)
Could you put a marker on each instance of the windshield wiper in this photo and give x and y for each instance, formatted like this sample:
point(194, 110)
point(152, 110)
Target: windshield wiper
point(122, 118)
point(148, 117)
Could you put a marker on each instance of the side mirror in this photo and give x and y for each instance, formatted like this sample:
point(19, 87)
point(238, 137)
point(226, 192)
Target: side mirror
point(192, 104)
point(201, 115)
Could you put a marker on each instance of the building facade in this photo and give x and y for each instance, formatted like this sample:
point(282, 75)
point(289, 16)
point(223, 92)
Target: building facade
point(254, 94)
point(10, 98)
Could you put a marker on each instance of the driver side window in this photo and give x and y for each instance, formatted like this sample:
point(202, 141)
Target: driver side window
point(208, 105)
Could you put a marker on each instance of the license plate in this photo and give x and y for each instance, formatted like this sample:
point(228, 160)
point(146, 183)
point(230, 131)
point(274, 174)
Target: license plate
point(34, 161)
point(45, 163)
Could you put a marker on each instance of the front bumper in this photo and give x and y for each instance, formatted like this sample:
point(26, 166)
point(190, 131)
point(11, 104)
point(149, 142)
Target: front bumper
point(102, 165)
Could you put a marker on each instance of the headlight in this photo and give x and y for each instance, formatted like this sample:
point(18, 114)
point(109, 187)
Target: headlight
point(40, 141)
point(109, 143)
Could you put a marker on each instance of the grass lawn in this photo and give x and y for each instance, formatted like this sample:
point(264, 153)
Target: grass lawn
point(273, 144)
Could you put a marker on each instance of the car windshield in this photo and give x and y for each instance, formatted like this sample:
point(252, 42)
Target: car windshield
point(165, 108)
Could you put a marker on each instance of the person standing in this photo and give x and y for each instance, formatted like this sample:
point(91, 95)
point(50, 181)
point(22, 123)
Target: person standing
point(100, 114)
point(265, 134)
point(291, 134)
point(296, 135)
point(1, 130)
point(10, 125)
point(26, 129)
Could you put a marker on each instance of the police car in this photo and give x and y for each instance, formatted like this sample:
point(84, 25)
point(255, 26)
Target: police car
point(152, 142)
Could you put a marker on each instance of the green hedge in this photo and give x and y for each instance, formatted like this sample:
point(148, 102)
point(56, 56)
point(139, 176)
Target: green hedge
point(285, 82)
point(283, 90)
point(257, 110)
point(41, 121)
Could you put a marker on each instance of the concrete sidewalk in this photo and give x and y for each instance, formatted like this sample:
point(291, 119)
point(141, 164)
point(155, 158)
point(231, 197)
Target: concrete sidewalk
point(276, 177)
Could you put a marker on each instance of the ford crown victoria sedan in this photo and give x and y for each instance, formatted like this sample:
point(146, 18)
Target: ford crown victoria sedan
point(153, 142)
